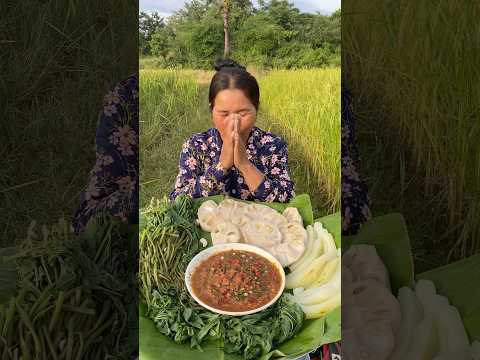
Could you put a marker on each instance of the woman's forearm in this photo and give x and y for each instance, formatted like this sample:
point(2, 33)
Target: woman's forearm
point(253, 177)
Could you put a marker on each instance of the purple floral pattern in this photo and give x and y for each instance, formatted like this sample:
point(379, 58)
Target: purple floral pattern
point(355, 200)
point(201, 173)
point(113, 184)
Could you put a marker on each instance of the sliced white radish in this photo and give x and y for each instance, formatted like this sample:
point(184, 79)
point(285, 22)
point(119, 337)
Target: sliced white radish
point(425, 341)
point(322, 309)
point(314, 249)
point(306, 275)
point(410, 319)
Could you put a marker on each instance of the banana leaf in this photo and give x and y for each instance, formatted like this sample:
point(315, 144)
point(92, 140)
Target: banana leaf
point(389, 235)
point(8, 273)
point(460, 283)
point(155, 346)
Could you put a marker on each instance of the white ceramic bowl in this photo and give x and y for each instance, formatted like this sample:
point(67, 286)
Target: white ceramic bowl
point(207, 253)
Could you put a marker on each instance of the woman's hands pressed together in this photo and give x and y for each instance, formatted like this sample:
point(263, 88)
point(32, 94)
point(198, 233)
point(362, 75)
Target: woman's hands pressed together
point(240, 158)
point(228, 146)
point(234, 153)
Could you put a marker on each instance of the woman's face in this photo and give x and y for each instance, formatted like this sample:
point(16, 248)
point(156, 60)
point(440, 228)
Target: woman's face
point(229, 102)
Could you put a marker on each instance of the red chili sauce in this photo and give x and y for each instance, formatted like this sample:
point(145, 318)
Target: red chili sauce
point(236, 280)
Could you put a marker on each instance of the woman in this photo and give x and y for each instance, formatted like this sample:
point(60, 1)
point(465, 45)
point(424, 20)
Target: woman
point(113, 183)
point(235, 157)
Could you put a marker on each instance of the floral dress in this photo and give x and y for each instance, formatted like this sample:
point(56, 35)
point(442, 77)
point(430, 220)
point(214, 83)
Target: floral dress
point(201, 173)
point(113, 183)
point(355, 200)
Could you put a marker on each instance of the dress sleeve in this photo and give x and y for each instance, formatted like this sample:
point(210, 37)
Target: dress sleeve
point(195, 181)
point(277, 186)
point(113, 182)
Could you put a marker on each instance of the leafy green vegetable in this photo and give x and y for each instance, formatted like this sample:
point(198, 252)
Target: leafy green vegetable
point(253, 335)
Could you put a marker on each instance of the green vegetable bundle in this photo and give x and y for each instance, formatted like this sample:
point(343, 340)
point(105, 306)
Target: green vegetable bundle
point(75, 295)
point(168, 241)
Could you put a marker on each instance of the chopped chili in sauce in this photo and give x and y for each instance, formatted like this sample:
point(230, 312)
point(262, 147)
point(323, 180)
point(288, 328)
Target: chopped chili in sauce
point(236, 280)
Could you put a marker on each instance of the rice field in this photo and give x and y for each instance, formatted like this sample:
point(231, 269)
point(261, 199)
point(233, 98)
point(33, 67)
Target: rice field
point(301, 106)
point(59, 60)
point(413, 69)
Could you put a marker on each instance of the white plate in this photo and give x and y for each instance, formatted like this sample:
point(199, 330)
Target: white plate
point(207, 253)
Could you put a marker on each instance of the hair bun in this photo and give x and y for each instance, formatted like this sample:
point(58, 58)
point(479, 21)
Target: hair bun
point(227, 63)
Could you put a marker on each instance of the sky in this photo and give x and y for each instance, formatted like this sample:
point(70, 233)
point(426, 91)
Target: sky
point(167, 7)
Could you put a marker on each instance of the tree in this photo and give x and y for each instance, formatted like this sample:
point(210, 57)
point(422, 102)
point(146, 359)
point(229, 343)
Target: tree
point(276, 34)
point(148, 25)
point(226, 48)
point(159, 43)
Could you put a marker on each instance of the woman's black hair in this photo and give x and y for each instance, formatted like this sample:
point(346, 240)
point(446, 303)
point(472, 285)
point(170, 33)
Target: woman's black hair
point(231, 75)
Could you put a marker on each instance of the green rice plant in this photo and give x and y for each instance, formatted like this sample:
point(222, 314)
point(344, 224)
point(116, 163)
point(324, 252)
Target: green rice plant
point(418, 111)
point(58, 60)
point(171, 110)
point(304, 107)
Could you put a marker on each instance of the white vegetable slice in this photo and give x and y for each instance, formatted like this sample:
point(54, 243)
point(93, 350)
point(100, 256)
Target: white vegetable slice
point(292, 215)
point(425, 340)
point(311, 243)
point(316, 295)
point(261, 234)
point(322, 309)
point(311, 255)
point(434, 305)
point(453, 338)
point(411, 316)
point(309, 295)
point(298, 291)
point(457, 336)
point(327, 272)
point(365, 263)
point(305, 276)
point(225, 232)
point(208, 215)
point(325, 236)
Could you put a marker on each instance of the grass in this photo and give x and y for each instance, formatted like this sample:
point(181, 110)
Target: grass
point(413, 70)
point(174, 106)
point(58, 59)
point(304, 107)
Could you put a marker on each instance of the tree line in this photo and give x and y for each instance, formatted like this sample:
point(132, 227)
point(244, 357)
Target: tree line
point(275, 34)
